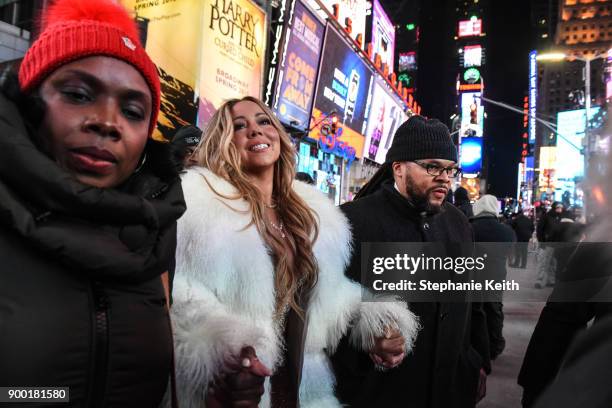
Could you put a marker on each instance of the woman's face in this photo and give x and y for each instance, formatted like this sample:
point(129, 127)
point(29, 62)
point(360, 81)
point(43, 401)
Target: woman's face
point(255, 137)
point(96, 120)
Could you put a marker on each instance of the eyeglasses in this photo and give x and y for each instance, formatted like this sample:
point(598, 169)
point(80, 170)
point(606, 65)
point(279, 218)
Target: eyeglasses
point(435, 170)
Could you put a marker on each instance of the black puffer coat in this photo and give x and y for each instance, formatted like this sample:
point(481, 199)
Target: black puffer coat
point(81, 301)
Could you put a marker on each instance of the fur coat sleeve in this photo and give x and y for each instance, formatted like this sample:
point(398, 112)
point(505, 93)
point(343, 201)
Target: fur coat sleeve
point(224, 288)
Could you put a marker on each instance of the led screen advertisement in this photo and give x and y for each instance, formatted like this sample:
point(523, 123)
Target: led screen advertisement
point(472, 56)
point(470, 76)
point(386, 115)
point(608, 76)
point(355, 10)
point(298, 74)
point(407, 61)
point(471, 156)
point(533, 95)
point(471, 27)
point(383, 35)
point(343, 89)
point(472, 114)
point(570, 128)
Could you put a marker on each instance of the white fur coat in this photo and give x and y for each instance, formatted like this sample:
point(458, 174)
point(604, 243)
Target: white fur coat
point(224, 294)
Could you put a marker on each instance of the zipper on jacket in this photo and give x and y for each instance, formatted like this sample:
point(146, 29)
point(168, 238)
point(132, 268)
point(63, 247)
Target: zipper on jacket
point(97, 387)
point(159, 191)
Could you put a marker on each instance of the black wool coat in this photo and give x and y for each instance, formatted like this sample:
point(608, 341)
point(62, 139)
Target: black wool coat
point(443, 369)
point(523, 227)
point(487, 228)
point(81, 300)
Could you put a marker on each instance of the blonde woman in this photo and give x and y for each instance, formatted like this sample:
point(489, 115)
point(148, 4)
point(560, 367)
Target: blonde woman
point(260, 295)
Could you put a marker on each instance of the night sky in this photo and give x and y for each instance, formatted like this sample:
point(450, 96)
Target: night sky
point(507, 43)
point(508, 70)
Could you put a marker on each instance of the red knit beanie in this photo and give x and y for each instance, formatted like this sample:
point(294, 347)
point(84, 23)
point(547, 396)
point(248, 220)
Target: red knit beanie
point(76, 29)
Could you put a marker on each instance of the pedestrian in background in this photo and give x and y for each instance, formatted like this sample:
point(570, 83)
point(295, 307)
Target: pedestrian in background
point(404, 202)
point(260, 289)
point(89, 204)
point(547, 228)
point(184, 143)
point(462, 201)
point(305, 177)
point(488, 228)
point(523, 228)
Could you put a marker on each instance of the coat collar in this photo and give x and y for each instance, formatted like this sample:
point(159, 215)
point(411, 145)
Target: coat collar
point(102, 232)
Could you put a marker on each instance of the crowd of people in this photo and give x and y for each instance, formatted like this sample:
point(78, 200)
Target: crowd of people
point(202, 272)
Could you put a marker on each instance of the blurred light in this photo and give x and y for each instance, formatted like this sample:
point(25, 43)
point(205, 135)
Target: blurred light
point(599, 195)
point(474, 17)
point(551, 56)
point(544, 35)
point(410, 27)
point(460, 50)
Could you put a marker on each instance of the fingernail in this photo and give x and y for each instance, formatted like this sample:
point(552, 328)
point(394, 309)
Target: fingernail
point(246, 363)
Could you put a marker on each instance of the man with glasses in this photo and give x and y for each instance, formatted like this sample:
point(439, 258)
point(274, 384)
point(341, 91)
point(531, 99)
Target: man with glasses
point(405, 202)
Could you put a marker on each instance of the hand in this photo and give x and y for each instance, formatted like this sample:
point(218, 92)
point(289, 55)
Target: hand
point(242, 384)
point(389, 351)
point(482, 385)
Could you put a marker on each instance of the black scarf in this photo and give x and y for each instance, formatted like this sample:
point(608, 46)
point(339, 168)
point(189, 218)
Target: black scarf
point(126, 234)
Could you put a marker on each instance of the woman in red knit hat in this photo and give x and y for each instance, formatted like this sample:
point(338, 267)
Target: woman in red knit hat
point(88, 210)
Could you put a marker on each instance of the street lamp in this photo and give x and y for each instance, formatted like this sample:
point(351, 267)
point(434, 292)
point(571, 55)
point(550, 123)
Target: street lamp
point(560, 56)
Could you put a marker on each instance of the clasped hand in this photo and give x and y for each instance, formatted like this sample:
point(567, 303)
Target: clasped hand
point(241, 384)
point(389, 351)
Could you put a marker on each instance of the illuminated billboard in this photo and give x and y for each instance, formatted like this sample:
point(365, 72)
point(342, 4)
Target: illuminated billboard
point(407, 61)
point(548, 161)
point(472, 114)
point(343, 90)
point(471, 27)
point(570, 128)
point(470, 76)
point(383, 35)
point(386, 115)
point(178, 67)
point(233, 53)
point(471, 156)
point(353, 10)
point(472, 56)
point(608, 76)
point(298, 73)
point(533, 93)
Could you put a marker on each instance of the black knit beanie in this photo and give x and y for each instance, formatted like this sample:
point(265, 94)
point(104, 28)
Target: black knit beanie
point(419, 138)
point(188, 136)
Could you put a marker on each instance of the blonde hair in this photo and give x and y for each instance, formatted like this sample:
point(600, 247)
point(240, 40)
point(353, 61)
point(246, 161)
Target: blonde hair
point(218, 153)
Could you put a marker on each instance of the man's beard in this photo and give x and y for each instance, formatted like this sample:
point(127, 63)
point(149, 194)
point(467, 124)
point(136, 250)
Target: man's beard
point(419, 200)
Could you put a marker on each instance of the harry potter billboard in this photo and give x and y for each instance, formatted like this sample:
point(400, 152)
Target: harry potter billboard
point(233, 52)
point(206, 51)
